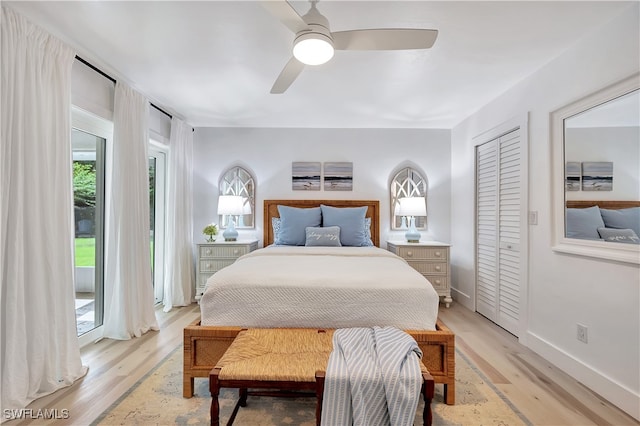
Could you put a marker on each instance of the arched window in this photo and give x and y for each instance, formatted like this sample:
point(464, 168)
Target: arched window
point(408, 182)
point(238, 181)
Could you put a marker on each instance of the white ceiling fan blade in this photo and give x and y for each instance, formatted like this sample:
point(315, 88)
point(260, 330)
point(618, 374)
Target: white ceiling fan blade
point(288, 75)
point(384, 39)
point(285, 14)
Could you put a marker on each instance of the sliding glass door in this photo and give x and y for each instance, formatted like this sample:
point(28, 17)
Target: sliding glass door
point(88, 190)
point(157, 183)
point(91, 137)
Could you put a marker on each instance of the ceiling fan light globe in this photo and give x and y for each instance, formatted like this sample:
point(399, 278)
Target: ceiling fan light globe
point(313, 49)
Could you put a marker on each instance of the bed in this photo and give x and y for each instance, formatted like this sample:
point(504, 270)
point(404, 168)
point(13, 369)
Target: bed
point(206, 339)
point(603, 220)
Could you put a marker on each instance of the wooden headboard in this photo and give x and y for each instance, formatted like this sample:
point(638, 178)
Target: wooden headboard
point(603, 204)
point(271, 210)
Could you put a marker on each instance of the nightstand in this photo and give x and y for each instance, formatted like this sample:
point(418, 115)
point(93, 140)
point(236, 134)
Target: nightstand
point(214, 256)
point(431, 259)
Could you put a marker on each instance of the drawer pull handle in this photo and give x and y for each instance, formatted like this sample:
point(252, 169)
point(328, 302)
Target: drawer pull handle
point(208, 265)
point(438, 254)
point(236, 251)
point(409, 253)
point(438, 282)
point(438, 268)
point(208, 251)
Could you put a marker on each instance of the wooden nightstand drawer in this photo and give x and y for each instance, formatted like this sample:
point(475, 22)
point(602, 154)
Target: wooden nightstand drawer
point(221, 251)
point(439, 282)
point(408, 253)
point(214, 265)
point(205, 252)
point(429, 268)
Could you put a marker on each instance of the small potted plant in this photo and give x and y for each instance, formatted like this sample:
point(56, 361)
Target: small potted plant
point(211, 230)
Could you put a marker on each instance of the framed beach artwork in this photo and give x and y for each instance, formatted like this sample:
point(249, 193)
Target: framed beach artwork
point(572, 176)
point(597, 176)
point(305, 176)
point(338, 176)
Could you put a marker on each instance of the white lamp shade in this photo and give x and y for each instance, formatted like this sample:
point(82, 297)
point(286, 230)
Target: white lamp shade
point(412, 206)
point(230, 205)
point(313, 49)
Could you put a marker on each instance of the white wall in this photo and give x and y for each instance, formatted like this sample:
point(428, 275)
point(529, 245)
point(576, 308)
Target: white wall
point(563, 289)
point(620, 145)
point(376, 155)
point(91, 91)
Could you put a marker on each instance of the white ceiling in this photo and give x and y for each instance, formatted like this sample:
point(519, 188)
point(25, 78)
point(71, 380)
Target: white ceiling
point(214, 62)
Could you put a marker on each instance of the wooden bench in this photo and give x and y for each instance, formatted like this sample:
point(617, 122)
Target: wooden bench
point(290, 360)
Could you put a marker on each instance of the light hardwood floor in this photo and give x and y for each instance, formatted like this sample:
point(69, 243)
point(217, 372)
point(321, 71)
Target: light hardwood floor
point(544, 394)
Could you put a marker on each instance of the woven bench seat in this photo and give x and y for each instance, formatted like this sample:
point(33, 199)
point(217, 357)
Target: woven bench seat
point(283, 360)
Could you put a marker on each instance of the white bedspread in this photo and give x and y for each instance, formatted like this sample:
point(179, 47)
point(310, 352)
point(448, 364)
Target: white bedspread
point(327, 287)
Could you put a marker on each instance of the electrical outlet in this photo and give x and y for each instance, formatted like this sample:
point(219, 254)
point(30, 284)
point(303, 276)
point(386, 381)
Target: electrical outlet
point(533, 217)
point(582, 333)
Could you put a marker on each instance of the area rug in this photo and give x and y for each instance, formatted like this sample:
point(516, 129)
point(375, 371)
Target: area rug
point(157, 400)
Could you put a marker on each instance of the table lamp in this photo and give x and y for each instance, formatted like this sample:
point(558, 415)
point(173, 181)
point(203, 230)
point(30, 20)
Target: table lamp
point(412, 207)
point(231, 205)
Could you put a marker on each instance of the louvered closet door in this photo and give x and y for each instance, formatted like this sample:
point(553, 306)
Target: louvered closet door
point(499, 212)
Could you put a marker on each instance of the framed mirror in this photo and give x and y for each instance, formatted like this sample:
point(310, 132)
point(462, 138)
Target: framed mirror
point(408, 182)
point(238, 181)
point(596, 174)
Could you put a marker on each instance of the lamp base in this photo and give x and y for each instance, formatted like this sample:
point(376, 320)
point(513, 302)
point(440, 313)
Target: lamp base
point(230, 234)
point(412, 235)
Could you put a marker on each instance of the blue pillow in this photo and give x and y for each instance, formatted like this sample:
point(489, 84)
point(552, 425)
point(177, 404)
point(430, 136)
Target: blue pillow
point(294, 221)
point(328, 236)
point(350, 220)
point(622, 218)
point(584, 223)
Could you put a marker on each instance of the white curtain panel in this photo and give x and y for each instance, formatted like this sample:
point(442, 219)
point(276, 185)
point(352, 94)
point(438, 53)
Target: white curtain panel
point(40, 351)
point(129, 301)
point(179, 276)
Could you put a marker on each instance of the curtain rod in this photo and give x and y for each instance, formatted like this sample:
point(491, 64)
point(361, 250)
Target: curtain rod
point(161, 110)
point(113, 80)
point(96, 69)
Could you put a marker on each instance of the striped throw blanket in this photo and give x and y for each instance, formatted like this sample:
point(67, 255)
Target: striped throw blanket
point(373, 378)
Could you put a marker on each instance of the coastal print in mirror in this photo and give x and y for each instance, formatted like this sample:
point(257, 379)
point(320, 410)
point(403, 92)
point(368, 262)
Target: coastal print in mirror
point(238, 181)
point(602, 171)
point(407, 182)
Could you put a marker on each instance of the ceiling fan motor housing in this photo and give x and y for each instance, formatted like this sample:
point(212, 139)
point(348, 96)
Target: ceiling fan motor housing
point(313, 46)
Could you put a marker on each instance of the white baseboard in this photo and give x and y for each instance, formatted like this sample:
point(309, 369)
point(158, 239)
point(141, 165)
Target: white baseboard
point(619, 395)
point(462, 298)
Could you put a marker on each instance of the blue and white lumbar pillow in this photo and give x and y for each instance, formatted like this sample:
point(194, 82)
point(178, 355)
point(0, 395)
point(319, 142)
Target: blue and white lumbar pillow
point(328, 236)
point(627, 236)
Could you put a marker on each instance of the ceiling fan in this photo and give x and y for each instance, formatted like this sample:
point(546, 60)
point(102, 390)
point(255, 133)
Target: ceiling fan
point(314, 43)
